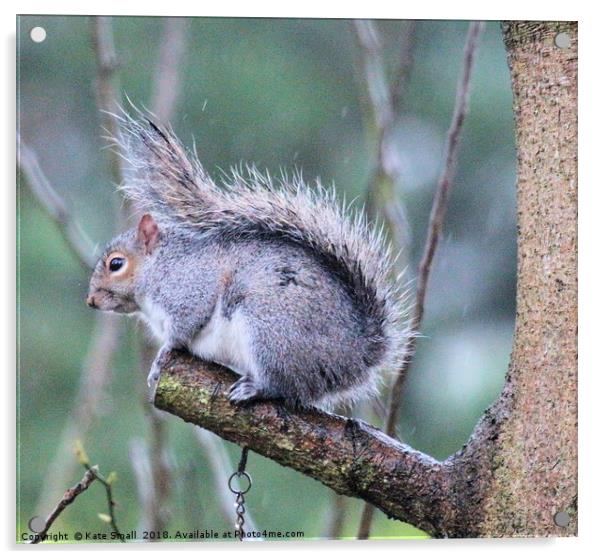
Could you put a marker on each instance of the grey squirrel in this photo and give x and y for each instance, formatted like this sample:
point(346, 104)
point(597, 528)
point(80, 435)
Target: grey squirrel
point(274, 281)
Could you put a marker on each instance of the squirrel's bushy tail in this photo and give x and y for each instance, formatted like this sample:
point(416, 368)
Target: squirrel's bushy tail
point(171, 184)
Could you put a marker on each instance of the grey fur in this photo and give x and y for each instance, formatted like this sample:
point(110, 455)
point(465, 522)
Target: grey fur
point(312, 284)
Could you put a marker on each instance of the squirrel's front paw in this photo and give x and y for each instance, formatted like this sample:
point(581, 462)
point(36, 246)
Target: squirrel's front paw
point(244, 390)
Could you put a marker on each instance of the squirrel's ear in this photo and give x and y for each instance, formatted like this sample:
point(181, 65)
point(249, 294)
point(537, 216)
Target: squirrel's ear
point(148, 233)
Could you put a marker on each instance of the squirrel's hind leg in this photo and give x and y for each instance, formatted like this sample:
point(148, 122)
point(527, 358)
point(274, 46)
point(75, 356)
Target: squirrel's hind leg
point(244, 389)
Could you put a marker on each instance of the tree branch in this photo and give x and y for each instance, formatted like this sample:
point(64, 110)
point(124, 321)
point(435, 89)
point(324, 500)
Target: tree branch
point(335, 521)
point(91, 474)
point(157, 485)
point(385, 103)
point(77, 240)
point(138, 453)
point(107, 88)
point(347, 455)
point(68, 498)
point(168, 72)
point(107, 482)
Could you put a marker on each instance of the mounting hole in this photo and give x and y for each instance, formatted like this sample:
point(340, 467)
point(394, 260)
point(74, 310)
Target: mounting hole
point(562, 519)
point(562, 40)
point(36, 524)
point(38, 34)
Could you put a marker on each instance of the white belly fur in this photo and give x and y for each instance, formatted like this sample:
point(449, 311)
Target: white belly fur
point(226, 341)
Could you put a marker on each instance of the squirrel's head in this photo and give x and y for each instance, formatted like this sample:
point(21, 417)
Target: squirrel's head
point(113, 282)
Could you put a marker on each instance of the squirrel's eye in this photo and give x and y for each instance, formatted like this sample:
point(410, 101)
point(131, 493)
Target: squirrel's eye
point(116, 264)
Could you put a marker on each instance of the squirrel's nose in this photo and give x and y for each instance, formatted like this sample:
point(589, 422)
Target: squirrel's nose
point(91, 302)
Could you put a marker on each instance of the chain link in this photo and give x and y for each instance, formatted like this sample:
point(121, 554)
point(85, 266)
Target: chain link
point(240, 493)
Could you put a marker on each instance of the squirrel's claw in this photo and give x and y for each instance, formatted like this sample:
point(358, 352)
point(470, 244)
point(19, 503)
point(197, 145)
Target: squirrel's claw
point(244, 390)
point(155, 372)
point(153, 377)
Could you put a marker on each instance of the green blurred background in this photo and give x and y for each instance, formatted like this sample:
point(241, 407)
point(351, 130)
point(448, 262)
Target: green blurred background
point(282, 93)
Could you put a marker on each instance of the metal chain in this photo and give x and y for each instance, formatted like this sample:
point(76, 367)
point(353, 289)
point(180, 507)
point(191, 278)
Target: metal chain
point(240, 473)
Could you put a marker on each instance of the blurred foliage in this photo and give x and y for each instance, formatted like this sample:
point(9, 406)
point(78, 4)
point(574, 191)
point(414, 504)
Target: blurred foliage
point(282, 93)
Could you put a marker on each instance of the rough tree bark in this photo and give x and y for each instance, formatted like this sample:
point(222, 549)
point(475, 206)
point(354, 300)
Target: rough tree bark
point(519, 467)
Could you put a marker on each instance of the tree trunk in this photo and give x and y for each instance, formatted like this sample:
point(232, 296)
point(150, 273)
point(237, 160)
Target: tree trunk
point(519, 468)
point(533, 459)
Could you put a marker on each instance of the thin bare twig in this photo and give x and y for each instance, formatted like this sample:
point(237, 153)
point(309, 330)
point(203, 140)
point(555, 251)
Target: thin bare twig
point(365, 525)
point(68, 498)
point(405, 62)
point(111, 502)
point(437, 213)
point(161, 469)
point(376, 79)
point(386, 98)
point(336, 517)
point(434, 232)
point(140, 460)
point(83, 459)
point(156, 485)
point(168, 72)
point(107, 87)
point(77, 240)
point(91, 474)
